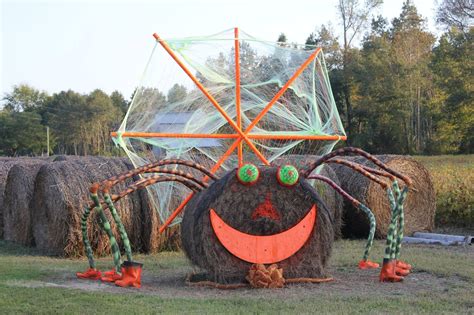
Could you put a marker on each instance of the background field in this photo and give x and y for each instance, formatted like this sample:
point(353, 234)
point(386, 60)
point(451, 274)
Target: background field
point(453, 179)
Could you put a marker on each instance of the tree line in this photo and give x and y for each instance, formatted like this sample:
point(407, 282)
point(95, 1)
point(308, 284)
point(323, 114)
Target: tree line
point(399, 91)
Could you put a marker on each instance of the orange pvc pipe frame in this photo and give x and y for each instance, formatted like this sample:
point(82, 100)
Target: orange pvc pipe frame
point(237, 91)
point(227, 136)
point(243, 135)
point(210, 98)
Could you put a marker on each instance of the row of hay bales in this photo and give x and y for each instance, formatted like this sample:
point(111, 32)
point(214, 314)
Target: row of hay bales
point(42, 199)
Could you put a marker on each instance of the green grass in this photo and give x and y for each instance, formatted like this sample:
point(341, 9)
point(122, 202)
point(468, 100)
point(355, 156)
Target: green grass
point(449, 269)
point(453, 179)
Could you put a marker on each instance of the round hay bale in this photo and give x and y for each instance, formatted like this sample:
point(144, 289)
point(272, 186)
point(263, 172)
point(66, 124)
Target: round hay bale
point(62, 192)
point(18, 194)
point(420, 204)
point(236, 205)
point(5, 164)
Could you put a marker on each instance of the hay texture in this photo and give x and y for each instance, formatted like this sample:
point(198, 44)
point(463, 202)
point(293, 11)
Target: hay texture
point(235, 203)
point(61, 193)
point(17, 208)
point(419, 207)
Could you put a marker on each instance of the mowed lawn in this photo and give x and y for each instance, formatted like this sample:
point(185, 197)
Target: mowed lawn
point(442, 282)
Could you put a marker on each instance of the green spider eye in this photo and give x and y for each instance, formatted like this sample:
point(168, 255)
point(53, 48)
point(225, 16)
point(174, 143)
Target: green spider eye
point(287, 175)
point(248, 174)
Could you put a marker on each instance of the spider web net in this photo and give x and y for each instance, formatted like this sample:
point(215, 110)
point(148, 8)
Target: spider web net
point(168, 101)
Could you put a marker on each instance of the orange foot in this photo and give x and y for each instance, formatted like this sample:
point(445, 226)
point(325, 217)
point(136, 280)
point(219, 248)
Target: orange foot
point(401, 272)
point(111, 276)
point(367, 264)
point(131, 275)
point(403, 265)
point(388, 272)
point(91, 274)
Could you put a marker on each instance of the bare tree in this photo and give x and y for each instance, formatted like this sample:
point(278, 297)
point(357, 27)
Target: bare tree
point(456, 13)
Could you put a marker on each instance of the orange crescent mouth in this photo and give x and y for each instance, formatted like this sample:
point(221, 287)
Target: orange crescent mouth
point(264, 249)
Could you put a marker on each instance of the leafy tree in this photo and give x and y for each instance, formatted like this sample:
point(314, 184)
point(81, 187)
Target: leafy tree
point(453, 68)
point(24, 98)
point(411, 52)
point(324, 37)
point(177, 93)
point(21, 133)
point(119, 101)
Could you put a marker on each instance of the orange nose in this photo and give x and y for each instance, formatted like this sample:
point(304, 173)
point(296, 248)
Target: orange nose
point(266, 210)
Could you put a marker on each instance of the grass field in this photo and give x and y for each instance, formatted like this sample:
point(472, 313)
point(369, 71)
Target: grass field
point(442, 282)
point(453, 179)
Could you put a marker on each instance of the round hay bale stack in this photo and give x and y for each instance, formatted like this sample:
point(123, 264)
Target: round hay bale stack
point(332, 200)
point(420, 204)
point(18, 194)
point(62, 192)
point(237, 204)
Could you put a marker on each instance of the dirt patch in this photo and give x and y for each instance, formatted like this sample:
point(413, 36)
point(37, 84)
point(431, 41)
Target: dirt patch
point(349, 282)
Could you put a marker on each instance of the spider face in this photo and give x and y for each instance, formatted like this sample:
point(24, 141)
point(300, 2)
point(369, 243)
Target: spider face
point(256, 215)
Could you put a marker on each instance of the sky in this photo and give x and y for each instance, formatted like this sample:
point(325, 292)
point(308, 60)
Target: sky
point(84, 45)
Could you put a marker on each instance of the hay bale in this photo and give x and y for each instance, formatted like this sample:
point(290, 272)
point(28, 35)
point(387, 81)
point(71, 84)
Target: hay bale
point(61, 192)
point(419, 207)
point(5, 164)
point(235, 204)
point(18, 194)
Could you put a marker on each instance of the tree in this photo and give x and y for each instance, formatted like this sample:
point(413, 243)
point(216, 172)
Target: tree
point(411, 51)
point(453, 67)
point(177, 93)
point(21, 133)
point(119, 101)
point(354, 17)
point(65, 113)
point(24, 98)
point(456, 13)
point(324, 37)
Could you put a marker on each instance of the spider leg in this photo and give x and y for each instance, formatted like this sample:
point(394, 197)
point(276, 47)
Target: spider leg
point(356, 151)
point(99, 206)
point(142, 169)
point(365, 263)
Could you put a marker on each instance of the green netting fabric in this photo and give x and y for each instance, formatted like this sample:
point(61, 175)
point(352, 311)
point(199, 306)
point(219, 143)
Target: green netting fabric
point(167, 101)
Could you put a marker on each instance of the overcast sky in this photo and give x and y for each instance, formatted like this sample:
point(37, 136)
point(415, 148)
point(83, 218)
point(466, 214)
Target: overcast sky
point(83, 45)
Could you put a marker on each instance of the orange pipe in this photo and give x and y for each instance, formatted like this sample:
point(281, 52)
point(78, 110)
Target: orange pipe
point(227, 136)
point(295, 137)
point(210, 98)
point(174, 135)
point(237, 90)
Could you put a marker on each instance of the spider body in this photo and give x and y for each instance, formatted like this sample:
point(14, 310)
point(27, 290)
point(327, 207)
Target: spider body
point(264, 208)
